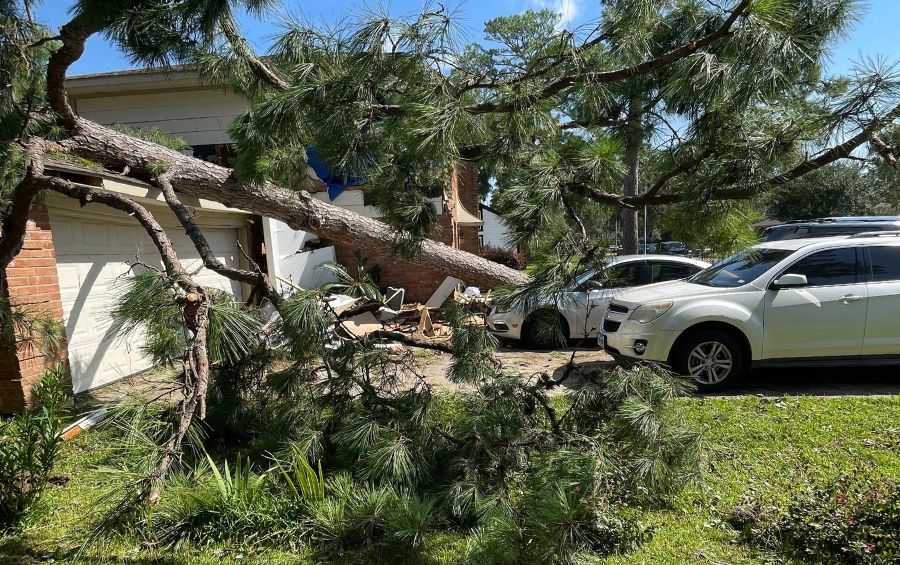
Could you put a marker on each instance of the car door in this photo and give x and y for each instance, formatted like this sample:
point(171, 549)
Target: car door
point(883, 319)
point(825, 318)
point(589, 305)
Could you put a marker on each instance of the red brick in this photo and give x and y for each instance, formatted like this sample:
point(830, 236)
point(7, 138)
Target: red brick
point(33, 283)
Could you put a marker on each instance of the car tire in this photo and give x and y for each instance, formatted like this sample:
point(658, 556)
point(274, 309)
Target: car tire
point(706, 355)
point(538, 331)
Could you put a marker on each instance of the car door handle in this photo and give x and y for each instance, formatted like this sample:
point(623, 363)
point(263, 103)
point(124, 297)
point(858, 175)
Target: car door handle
point(848, 298)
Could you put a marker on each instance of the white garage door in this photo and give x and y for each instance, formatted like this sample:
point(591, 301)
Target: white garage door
point(91, 255)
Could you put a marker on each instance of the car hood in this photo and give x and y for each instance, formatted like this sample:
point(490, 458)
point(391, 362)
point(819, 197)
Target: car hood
point(670, 290)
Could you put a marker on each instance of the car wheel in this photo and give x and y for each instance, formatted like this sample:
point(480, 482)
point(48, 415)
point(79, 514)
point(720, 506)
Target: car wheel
point(714, 360)
point(545, 329)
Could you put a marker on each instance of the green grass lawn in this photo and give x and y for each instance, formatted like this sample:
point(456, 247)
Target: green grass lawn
point(764, 448)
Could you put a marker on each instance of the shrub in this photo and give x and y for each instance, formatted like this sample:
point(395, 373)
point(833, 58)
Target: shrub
point(29, 445)
point(844, 523)
point(209, 505)
point(512, 259)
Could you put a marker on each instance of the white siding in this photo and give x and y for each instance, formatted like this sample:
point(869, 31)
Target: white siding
point(288, 267)
point(200, 117)
point(494, 232)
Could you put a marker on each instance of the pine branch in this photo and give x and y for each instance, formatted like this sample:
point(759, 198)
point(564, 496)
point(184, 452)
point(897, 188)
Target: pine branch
point(605, 77)
point(840, 151)
point(684, 167)
point(240, 47)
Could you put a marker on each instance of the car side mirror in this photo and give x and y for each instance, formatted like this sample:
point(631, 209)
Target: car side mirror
point(789, 280)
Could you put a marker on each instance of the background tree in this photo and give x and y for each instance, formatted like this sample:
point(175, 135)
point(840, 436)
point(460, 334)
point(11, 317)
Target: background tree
point(836, 190)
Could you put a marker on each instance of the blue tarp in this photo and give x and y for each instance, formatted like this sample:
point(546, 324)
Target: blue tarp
point(335, 182)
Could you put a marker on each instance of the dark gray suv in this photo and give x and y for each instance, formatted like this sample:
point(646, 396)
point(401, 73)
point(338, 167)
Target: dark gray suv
point(828, 227)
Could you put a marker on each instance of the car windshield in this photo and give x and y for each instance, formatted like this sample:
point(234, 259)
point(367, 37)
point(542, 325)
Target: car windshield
point(740, 268)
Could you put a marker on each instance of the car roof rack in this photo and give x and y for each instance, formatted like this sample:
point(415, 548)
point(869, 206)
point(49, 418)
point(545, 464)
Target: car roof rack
point(845, 220)
point(876, 234)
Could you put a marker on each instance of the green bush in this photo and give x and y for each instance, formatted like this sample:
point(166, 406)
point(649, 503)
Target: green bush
point(842, 524)
point(29, 445)
point(512, 259)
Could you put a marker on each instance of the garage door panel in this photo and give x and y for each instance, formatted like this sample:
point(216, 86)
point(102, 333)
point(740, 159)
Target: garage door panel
point(92, 264)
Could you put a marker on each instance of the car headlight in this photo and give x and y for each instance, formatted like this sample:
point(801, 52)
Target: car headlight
point(649, 312)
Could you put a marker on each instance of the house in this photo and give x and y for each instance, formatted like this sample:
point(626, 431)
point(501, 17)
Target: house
point(75, 257)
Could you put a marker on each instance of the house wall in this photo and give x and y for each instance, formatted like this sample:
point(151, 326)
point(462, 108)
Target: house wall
point(200, 117)
point(494, 233)
point(421, 283)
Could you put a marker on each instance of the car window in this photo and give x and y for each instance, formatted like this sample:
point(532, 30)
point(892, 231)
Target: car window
point(621, 276)
point(779, 233)
point(740, 268)
point(827, 268)
point(662, 271)
point(828, 230)
point(885, 263)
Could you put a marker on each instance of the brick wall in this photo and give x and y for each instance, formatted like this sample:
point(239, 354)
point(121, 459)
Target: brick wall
point(419, 283)
point(33, 285)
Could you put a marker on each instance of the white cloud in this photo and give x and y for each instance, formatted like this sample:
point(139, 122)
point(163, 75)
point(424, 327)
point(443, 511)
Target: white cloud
point(567, 9)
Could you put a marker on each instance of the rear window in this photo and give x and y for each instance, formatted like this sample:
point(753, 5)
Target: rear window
point(885, 261)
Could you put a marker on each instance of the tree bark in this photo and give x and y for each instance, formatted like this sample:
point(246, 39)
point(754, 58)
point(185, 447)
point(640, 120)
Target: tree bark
point(633, 140)
point(298, 209)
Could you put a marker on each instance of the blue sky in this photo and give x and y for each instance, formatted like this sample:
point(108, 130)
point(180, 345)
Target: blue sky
point(874, 35)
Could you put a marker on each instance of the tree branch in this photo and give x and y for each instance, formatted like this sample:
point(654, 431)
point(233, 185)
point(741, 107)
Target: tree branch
point(840, 151)
point(410, 341)
point(684, 167)
point(604, 77)
point(259, 69)
point(14, 220)
point(210, 261)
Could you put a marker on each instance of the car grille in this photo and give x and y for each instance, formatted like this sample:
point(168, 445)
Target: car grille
point(610, 326)
point(618, 308)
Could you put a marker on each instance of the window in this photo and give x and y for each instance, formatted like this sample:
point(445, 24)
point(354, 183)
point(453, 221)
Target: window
point(835, 230)
point(885, 263)
point(620, 276)
point(740, 268)
point(827, 268)
point(779, 233)
point(667, 271)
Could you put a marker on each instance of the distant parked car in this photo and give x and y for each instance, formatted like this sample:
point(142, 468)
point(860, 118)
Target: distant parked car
point(581, 310)
point(829, 227)
point(649, 248)
point(672, 248)
point(799, 302)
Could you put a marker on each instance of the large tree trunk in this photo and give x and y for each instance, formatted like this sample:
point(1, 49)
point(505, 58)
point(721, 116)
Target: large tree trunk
point(298, 209)
point(630, 184)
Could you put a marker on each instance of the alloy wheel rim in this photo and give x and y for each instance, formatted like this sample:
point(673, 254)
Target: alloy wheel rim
point(710, 363)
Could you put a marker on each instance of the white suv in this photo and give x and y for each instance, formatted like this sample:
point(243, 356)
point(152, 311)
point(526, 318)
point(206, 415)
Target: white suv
point(797, 302)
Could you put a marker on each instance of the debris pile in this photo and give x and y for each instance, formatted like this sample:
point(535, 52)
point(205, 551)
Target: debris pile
point(419, 323)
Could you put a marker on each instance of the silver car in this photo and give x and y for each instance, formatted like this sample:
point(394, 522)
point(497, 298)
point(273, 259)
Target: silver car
point(578, 312)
